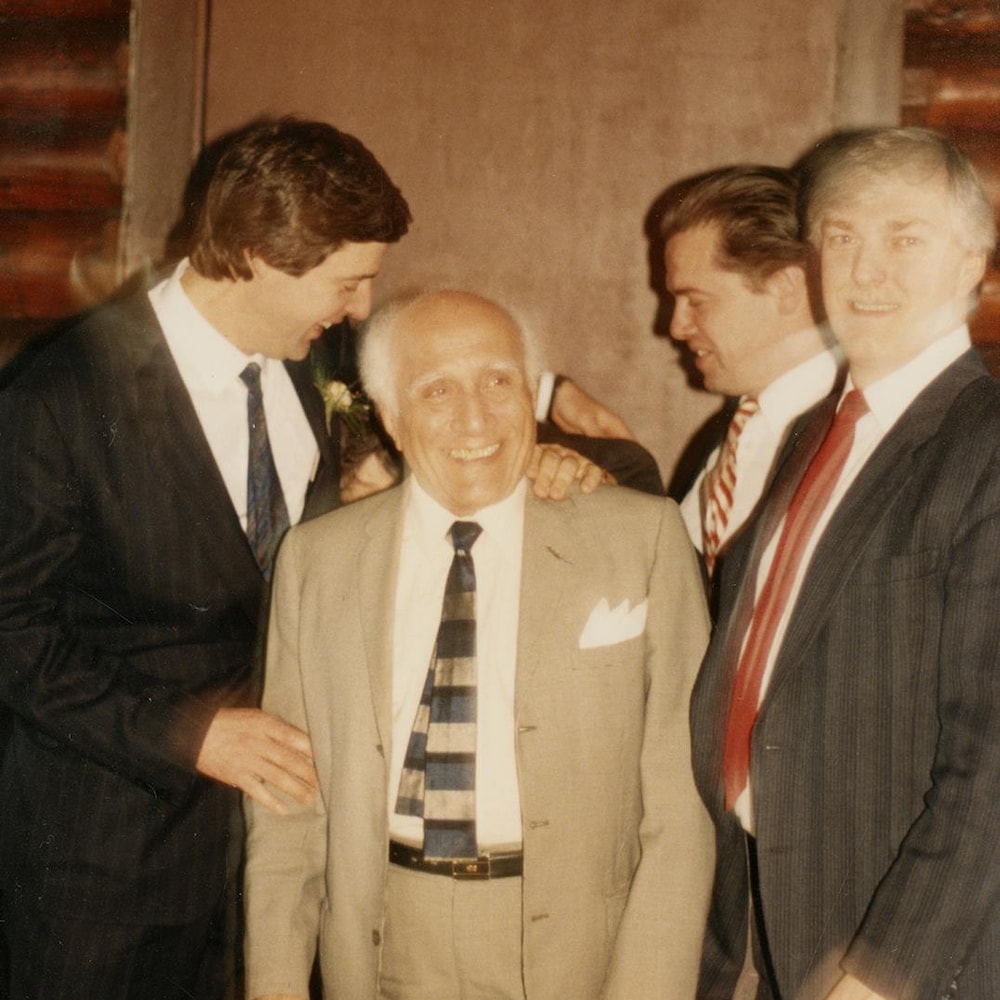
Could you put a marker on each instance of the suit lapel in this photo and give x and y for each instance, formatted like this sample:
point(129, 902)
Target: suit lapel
point(547, 561)
point(324, 489)
point(741, 566)
point(883, 476)
point(177, 443)
point(378, 567)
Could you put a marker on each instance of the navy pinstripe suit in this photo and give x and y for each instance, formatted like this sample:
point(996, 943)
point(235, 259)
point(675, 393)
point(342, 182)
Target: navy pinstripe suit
point(129, 602)
point(876, 755)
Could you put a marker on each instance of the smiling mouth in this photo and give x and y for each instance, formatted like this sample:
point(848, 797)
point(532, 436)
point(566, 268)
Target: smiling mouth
point(474, 454)
point(873, 307)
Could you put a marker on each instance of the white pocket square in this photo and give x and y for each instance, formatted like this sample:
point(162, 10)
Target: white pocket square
point(607, 625)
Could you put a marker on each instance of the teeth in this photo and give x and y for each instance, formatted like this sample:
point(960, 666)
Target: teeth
point(472, 454)
point(700, 354)
point(873, 307)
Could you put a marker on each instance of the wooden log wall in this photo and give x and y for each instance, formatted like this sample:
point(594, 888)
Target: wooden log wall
point(951, 83)
point(63, 94)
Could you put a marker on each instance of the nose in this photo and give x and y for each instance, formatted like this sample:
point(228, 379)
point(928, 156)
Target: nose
point(681, 321)
point(868, 266)
point(359, 305)
point(470, 414)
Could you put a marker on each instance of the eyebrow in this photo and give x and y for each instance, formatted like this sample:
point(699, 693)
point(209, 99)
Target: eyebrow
point(429, 377)
point(910, 223)
point(895, 225)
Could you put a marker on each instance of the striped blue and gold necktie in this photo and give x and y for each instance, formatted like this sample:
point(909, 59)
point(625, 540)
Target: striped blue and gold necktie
point(439, 772)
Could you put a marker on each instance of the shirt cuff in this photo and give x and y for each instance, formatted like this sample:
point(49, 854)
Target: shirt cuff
point(543, 402)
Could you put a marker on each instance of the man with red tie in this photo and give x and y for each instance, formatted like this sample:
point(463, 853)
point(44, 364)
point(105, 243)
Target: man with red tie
point(845, 722)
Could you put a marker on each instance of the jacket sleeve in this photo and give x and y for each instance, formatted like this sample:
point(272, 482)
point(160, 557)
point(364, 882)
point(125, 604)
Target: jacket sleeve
point(286, 855)
point(943, 888)
point(659, 941)
point(76, 664)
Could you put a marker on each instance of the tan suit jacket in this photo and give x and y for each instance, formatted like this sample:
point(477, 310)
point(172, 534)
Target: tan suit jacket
point(618, 849)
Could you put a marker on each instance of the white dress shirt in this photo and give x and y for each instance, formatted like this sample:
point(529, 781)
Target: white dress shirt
point(210, 366)
point(425, 560)
point(785, 399)
point(887, 399)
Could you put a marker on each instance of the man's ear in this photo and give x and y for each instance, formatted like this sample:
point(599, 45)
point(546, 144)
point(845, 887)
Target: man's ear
point(256, 265)
point(389, 423)
point(788, 286)
point(973, 269)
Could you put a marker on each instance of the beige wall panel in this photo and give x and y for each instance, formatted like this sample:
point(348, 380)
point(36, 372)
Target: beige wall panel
point(531, 138)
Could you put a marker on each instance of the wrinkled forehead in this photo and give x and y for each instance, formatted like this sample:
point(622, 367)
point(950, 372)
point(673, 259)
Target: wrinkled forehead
point(457, 337)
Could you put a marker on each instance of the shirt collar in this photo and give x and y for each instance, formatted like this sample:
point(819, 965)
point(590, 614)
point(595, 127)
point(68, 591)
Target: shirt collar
point(428, 521)
point(892, 394)
point(207, 358)
point(799, 388)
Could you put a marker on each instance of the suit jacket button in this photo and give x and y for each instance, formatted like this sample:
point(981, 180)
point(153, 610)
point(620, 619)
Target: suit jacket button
point(376, 938)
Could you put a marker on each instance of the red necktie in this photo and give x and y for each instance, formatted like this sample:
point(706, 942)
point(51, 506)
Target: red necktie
point(719, 485)
point(807, 505)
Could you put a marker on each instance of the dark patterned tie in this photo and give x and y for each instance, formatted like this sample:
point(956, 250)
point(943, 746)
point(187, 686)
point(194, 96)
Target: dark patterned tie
point(439, 772)
point(267, 515)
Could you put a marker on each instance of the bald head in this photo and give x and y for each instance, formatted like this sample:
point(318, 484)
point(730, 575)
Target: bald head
point(448, 371)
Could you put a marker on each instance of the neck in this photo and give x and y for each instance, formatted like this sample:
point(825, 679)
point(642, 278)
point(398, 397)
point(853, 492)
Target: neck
point(222, 304)
point(797, 345)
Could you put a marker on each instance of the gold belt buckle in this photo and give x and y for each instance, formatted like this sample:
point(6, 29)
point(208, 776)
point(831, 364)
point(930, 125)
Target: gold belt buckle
point(473, 868)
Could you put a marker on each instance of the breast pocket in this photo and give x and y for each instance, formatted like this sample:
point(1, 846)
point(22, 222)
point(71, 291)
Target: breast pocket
point(615, 655)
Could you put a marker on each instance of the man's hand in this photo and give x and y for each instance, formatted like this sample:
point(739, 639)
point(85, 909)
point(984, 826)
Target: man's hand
point(247, 748)
point(279, 996)
point(850, 988)
point(553, 469)
point(575, 412)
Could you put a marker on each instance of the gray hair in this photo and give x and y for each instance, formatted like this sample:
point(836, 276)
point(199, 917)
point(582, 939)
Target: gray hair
point(830, 169)
point(377, 356)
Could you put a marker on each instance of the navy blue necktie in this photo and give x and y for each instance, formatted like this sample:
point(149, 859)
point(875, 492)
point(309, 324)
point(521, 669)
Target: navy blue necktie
point(267, 515)
point(439, 772)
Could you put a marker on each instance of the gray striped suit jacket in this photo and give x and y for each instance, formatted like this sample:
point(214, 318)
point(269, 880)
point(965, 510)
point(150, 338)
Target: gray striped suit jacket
point(876, 754)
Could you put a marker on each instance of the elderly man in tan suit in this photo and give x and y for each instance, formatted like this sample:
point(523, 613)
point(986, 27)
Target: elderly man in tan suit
point(517, 820)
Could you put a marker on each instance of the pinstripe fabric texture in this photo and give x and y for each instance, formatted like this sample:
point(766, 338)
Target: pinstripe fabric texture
point(875, 757)
point(129, 603)
point(438, 781)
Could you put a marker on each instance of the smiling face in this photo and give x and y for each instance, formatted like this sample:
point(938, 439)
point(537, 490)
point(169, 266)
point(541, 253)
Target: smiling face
point(735, 332)
point(464, 418)
point(287, 313)
point(896, 269)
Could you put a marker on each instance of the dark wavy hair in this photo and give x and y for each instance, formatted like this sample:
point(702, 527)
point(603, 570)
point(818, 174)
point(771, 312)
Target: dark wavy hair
point(754, 208)
point(291, 192)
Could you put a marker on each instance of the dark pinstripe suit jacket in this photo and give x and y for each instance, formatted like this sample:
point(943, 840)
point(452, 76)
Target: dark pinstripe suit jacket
point(876, 754)
point(129, 602)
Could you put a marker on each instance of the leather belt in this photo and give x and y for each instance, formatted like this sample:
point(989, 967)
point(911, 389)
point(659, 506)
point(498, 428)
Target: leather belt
point(485, 866)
